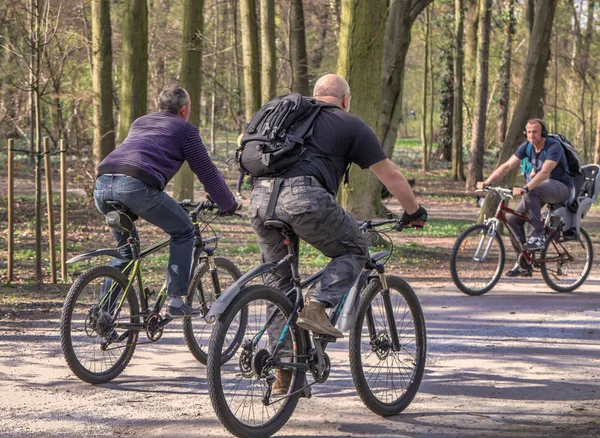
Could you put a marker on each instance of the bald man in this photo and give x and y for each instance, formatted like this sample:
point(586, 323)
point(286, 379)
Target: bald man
point(307, 203)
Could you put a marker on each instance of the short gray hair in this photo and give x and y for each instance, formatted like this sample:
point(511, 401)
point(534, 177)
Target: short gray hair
point(172, 98)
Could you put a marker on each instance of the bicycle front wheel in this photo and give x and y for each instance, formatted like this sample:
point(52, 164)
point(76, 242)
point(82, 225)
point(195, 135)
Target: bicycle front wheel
point(94, 346)
point(387, 377)
point(477, 260)
point(566, 264)
point(203, 293)
point(241, 389)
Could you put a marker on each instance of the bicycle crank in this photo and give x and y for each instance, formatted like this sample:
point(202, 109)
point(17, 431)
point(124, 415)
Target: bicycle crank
point(154, 327)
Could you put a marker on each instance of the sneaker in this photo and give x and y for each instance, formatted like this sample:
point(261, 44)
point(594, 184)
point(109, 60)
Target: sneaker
point(535, 243)
point(179, 311)
point(313, 318)
point(518, 271)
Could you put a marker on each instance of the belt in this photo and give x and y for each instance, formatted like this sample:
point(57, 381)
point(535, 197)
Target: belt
point(289, 182)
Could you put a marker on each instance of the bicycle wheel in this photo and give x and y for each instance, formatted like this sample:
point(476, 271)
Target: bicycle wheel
point(477, 260)
point(388, 380)
point(196, 331)
point(94, 346)
point(567, 263)
point(239, 389)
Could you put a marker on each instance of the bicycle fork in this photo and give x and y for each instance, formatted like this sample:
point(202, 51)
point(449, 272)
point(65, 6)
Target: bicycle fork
point(485, 246)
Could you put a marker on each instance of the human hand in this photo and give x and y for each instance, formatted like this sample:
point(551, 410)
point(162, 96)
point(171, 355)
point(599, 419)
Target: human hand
point(414, 220)
point(518, 191)
point(480, 185)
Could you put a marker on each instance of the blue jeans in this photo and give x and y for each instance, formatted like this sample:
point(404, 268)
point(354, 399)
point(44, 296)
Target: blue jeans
point(159, 209)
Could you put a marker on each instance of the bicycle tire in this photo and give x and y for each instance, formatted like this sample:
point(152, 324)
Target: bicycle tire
point(196, 331)
point(478, 277)
point(226, 380)
point(408, 363)
point(82, 341)
point(555, 273)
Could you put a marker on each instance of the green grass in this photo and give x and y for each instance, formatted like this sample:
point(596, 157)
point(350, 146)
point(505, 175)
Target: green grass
point(248, 249)
point(443, 227)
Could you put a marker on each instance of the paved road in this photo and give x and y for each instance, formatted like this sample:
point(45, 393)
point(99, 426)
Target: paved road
point(520, 361)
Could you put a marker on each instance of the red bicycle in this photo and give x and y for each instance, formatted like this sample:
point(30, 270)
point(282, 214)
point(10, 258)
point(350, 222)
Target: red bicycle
point(478, 255)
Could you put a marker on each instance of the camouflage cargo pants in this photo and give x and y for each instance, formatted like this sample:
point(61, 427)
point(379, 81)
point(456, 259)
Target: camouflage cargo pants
point(316, 218)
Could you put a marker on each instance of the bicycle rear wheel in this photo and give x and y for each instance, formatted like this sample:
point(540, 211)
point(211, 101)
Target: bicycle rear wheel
point(387, 380)
point(477, 260)
point(567, 263)
point(240, 388)
point(94, 346)
point(197, 330)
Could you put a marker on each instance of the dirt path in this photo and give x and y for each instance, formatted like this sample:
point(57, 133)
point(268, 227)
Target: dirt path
point(518, 362)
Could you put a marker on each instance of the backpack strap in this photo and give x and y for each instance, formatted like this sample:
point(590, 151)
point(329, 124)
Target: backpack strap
point(277, 183)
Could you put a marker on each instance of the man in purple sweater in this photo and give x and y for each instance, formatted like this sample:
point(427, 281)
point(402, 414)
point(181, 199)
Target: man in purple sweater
point(136, 173)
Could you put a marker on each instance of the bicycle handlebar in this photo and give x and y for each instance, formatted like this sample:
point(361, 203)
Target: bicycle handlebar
point(370, 224)
point(502, 191)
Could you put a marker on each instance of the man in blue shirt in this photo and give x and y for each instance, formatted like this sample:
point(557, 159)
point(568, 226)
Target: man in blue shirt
point(137, 171)
point(548, 182)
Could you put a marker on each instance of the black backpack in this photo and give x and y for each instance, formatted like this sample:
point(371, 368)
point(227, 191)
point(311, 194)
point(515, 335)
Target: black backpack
point(574, 163)
point(274, 139)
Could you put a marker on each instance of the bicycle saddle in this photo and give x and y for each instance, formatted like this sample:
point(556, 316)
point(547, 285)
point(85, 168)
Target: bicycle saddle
point(278, 225)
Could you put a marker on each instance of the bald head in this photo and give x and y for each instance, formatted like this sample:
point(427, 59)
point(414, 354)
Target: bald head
point(334, 89)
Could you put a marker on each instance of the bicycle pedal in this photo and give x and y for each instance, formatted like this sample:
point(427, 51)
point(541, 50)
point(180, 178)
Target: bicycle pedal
point(325, 338)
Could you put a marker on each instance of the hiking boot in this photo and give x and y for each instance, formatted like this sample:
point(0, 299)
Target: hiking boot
point(313, 318)
point(177, 308)
point(283, 380)
point(535, 243)
point(518, 271)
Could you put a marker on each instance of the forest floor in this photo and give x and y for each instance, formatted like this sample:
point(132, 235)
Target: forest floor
point(520, 361)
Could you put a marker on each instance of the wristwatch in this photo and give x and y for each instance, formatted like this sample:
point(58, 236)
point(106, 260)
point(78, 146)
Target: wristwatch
point(525, 188)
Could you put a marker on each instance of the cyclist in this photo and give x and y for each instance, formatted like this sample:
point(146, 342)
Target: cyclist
point(547, 182)
point(137, 171)
point(307, 203)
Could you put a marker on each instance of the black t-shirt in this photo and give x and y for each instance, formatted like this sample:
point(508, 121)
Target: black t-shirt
point(338, 138)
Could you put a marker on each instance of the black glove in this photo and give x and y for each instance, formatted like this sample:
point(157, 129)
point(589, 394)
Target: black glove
point(419, 215)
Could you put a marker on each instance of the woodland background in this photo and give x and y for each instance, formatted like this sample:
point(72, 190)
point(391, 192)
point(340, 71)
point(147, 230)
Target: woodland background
point(455, 80)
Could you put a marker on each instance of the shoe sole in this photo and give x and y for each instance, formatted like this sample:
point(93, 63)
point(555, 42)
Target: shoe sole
point(308, 325)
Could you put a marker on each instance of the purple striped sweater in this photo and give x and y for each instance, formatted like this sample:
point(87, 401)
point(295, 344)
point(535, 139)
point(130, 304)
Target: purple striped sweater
point(155, 149)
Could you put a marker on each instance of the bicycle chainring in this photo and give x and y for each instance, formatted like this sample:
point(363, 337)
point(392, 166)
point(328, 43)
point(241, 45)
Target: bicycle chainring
point(322, 375)
point(154, 328)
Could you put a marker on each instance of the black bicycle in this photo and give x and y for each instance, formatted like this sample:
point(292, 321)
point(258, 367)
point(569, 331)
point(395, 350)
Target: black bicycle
point(106, 309)
point(387, 341)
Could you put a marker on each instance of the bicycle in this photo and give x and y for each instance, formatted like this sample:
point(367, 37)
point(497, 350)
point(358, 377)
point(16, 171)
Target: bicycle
point(101, 317)
point(478, 256)
point(387, 343)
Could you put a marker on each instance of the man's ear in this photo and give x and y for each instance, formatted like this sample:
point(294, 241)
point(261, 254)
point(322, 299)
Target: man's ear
point(346, 102)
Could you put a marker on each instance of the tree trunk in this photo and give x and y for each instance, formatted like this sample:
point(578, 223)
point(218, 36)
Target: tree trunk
point(134, 64)
point(401, 16)
point(236, 61)
point(508, 16)
point(538, 55)
point(361, 38)
point(457, 121)
point(250, 57)
point(478, 137)
point(104, 127)
point(471, 26)
point(298, 57)
point(191, 74)
point(597, 148)
point(425, 155)
point(268, 54)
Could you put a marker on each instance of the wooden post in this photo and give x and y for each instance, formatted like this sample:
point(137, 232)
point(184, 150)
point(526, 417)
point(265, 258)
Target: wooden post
point(50, 214)
point(63, 211)
point(10, 200)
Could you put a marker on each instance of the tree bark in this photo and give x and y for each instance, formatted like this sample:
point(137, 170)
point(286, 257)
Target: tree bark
point(425, 155)
point(508, 17)
point(250, 57)
point(361, 38)
point(191, 74)
point(213, 91)
point(482, 81)
point(104, 127)
point(134, 64)
point(298, 57)
point(457, 121)
point(597, 148)
point(268, 56)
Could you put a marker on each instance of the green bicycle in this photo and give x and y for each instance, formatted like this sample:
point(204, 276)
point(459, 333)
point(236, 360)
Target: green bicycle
point(106, 308)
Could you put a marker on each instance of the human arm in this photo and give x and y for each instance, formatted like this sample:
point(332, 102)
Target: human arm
point(538, 178)
point(500, 172)
point(391, 177)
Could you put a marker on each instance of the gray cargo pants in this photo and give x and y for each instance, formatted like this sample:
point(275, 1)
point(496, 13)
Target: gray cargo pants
point(550, 191)
point(318, 219)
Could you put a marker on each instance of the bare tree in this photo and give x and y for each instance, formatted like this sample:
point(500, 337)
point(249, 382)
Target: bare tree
point(250, 57)
point(483, 53)
point(298, 57)
point(508, 18)
point(457, 121)
point(269, 60)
